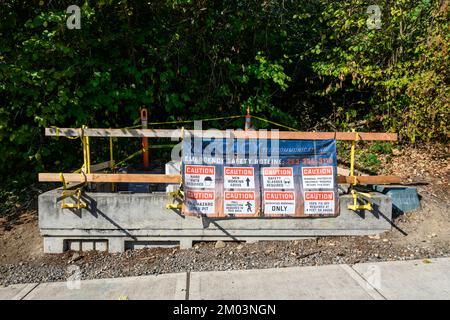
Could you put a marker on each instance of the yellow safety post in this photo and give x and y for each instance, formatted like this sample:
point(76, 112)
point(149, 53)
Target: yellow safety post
point(179, 193)
point(86, 152)
point(111, 153)
point(111, 161)
point(352, 158)
point(356, 206)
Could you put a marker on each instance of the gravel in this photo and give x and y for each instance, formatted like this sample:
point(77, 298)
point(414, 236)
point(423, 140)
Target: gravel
point(205, 257)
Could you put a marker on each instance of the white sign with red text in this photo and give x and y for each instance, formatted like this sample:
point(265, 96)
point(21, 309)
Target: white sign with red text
point(319, 202)
point(279, 202)
point(239, 177)
point(317, 177)
point(199, 176)
point(278, 178)
point(239, 202)
point(200, 202)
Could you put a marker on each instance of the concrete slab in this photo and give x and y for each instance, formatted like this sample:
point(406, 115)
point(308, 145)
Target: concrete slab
point(325, 282)
point(409, 279)
point(16, 292)
point(162, 287)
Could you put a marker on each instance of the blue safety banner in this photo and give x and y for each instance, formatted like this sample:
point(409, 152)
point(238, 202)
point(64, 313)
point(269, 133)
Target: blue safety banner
point(260, 178)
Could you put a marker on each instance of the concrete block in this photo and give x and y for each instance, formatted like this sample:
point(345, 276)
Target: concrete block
point(116, 245)
point(404, 199)
point(74, 245)
point(101, 246)
point(185, 243)
point(87, 246)
point(143, 217)
point(53, 245)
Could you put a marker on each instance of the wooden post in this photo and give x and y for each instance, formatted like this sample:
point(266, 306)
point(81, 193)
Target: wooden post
point(248, 120)
point(144, 120)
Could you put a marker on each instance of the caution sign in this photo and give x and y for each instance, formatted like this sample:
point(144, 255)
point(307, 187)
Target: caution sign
point(318, 177)
point(279, 202)
point(278, 178)
point(239, 202)
point(196, 176)
point(200, 202)
point(271, 178)
point(239, 177)
point(319, 202)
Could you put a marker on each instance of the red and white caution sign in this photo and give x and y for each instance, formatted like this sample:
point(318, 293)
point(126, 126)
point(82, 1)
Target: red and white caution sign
point(196, 176)
point(278, 178)
point(319, 202)
point(239, 177)
point(279, 202)
point(200, 202)
point(239, 202)
point(318, 177)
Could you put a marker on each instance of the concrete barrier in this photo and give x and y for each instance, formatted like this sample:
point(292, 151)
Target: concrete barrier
point(118, 221)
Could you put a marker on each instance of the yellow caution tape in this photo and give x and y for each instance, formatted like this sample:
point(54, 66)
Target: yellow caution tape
point(275, 123)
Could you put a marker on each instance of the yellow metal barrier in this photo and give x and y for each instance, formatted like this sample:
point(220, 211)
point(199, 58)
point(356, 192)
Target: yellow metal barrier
point(356, 194)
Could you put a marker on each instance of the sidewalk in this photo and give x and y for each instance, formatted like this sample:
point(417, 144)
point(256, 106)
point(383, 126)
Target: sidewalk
point(415, 279)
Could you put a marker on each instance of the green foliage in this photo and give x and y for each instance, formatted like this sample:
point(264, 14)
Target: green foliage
point(301, 63)
point(381, 147)
point(368, 161)
point(396, 77)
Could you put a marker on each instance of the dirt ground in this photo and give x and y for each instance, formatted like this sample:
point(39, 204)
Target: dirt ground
point(421, 234)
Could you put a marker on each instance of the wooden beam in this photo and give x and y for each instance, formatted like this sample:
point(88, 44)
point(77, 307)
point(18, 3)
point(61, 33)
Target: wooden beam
point(237, 134)
point(370, 179)
point(111, 178)
point(174, 178)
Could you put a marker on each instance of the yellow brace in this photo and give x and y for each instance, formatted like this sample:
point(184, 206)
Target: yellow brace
point(355, 194)
point(178, 193)
point(356, 206)
point(70, 193)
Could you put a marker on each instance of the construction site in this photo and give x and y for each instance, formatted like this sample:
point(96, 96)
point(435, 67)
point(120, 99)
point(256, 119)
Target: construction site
point(143, 217)
point(184, 141)
point(124, 209)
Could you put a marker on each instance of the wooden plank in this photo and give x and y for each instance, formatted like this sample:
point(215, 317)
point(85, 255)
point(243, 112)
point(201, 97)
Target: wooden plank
point(367, 136)
point(111, 178)
point(370, 179)
point(238, 134)
point(174, 178)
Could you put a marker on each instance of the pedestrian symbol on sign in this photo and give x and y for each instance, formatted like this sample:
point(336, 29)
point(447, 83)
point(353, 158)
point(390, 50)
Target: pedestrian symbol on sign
point(249, 206)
